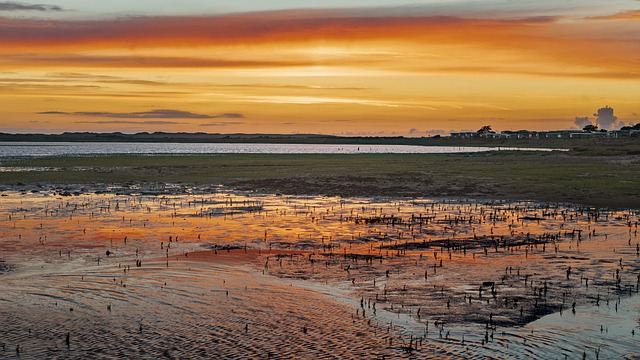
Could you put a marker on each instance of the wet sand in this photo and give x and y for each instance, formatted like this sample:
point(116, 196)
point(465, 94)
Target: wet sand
point(201, 273)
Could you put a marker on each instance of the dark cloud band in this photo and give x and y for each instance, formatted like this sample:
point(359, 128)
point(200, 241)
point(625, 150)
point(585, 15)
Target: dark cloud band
point(132, 122)
point(153, 114)
point(15, 6)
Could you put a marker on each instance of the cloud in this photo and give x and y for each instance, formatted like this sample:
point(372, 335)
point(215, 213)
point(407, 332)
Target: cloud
point(15, 6)
point(254, 28)
point(581, 122)
point(363, 133)
point(59, 78)
point(53, 113)
point(542, 45)
point(229, 116)
point(336, 121)
point(147, 122)
point(153, 114)
point(623, 15)
point(140, 61)
point(294, 87)
point(434, 132)
point(606, 119)
point(222, 123)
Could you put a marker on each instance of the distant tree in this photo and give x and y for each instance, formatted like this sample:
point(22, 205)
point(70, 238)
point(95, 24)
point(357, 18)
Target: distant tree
point(485, 129)
point(590, 128)
point(634, 127)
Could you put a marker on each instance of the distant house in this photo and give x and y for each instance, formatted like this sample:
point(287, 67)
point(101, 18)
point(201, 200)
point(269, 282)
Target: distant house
point(464, 134)
point(624, 132)
point(558, 134)
point(490, 135)
point(520, 134)
point(596, 134)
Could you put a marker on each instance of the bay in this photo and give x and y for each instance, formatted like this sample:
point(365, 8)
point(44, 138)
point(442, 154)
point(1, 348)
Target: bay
point(38, 149)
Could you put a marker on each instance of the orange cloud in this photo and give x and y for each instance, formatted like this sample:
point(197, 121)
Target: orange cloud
point(534, 45)
point(151, 114)
point(137, 61)
point(253, 28)
point(624, 15)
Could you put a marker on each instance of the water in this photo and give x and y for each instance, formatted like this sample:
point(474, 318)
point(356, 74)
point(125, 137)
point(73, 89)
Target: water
point(22, 149)
point(286, 275)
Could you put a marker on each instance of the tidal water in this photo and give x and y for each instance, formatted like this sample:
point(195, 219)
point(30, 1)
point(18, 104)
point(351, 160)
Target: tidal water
point(31, 149)
point(213, 272)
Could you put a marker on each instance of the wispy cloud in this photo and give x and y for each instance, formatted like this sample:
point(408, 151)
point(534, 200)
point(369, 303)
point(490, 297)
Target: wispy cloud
point(268, 27)
point(16, 6)
point(289, 86)
point(221, 123)
point(106, 79)
point(153, 114)
point(403, 41)
point(582, 121)
point(336, 121)
point(132, 122)
point(623, 15)
point(139, 61)
point(228, 116)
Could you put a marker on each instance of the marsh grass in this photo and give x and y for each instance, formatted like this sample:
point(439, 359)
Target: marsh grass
point(587, 177)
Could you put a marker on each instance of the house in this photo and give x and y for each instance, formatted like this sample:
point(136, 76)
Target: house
point(464, 134)
point(597, 134)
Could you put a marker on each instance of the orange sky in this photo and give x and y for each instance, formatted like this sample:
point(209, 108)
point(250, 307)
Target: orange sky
point(353, 71)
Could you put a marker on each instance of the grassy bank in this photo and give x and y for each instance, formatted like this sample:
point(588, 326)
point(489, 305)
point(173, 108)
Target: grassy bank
point(584, 177)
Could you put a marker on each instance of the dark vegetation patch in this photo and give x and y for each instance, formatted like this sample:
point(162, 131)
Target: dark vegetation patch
point(4, 267)
point(589, 176)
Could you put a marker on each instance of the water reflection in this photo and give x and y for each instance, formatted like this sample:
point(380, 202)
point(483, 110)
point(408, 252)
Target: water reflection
point(204, 272)
point(26, 149)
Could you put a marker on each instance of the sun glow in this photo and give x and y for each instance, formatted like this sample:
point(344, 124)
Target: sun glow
point(395, 73)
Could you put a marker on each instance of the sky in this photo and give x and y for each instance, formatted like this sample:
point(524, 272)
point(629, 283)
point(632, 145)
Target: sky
point(348, 67)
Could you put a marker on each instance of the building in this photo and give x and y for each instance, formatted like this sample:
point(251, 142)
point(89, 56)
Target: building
point(464, 134)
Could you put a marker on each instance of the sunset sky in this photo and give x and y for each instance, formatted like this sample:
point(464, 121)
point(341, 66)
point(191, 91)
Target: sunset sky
point(348, 67)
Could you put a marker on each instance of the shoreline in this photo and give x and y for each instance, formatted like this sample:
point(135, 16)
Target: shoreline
point(65, 190)
point(240, 138)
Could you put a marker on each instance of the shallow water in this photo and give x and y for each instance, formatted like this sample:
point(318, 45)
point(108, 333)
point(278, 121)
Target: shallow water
point(35, 149)
point(231, 274)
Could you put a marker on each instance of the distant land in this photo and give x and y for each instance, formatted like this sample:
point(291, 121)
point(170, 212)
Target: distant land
point(580, 144)
point(184, 137)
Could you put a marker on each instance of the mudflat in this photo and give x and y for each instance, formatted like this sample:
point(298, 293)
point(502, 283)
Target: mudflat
point(498, 254)
point(596, 177)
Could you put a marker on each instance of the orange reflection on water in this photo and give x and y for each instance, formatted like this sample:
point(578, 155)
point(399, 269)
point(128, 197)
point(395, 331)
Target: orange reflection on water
point(437, 271)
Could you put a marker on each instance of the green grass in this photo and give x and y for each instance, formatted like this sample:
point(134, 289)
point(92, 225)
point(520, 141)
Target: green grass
point(558, 177)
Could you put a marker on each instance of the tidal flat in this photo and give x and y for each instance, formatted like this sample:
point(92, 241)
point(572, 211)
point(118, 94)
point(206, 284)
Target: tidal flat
point(185, 271)
point(599, 176)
